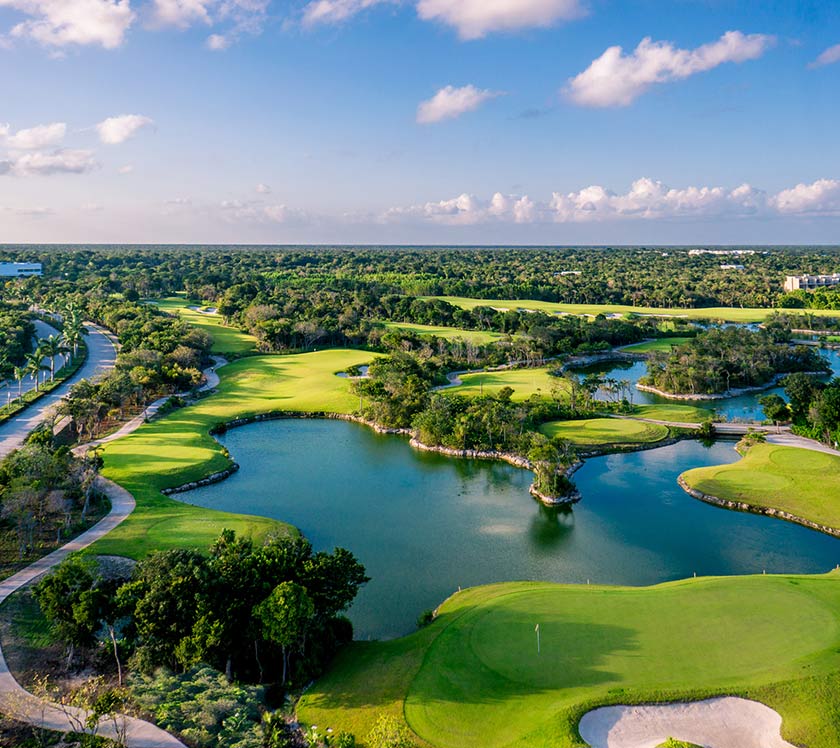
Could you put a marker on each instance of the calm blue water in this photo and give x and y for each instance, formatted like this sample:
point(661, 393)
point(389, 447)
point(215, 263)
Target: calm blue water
point(742, 408)
point(423, 524)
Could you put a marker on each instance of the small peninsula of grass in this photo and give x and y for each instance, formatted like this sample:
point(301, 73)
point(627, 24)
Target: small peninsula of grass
point(479, 337)
point(474, 676)
point(525, 382)
point(673, 413)
point(225, 339)
point(660, 344)
point(798, 481)
point(598, 432)
point(178, 448)
point(725, 314)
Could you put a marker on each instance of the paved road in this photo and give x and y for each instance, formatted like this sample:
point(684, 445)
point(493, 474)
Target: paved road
point(102, 353)
point(23, 706)
point(792, 440)
point(11, 387)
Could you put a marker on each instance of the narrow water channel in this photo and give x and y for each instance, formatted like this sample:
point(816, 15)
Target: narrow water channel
point(424, 524)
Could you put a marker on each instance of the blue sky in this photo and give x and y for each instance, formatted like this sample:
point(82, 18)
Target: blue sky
point(419, 121)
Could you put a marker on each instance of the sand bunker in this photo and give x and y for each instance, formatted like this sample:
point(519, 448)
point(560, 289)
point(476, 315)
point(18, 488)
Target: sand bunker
point(715, 723)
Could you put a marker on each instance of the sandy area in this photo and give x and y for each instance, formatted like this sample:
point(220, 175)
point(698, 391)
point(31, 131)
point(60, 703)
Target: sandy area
point(715, 723)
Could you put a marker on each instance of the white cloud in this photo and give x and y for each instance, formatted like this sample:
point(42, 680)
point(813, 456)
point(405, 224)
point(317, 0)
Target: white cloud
point(263, 189)
point(180, 13)
point(334, 11)
point(217, 42)
point(616, 79)
point(476, 18)
point(467, 210)
point(127, 169)
point(58, 23)
point(828, 57)
point(42, 163)
point(257, 211)
point(451, 102)
point(821, 197)
point(115, 130)
point(40, 136)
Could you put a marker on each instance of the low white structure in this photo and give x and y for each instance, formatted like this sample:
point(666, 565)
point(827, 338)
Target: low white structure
point(20, 269)
point(811, 282)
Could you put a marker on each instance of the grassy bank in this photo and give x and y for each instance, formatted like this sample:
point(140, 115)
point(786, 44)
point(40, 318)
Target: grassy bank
point(653, 346)
point(225, 339)
point(794, 480)
point(449, 333)
point(178, 449)
point(525, 382)
point(597, 432)
point(674, 413)
point(727, 314)
point(474, 677)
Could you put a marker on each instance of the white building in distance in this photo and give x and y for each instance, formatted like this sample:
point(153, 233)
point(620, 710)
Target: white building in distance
point(20, 269)
point(811, 282)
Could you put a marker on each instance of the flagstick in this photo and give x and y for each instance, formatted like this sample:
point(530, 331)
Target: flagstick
point(538, 638)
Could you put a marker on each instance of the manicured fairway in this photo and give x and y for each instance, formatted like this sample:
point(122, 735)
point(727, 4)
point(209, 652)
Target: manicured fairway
point(450, 333)
point(799, 481)
point(673, 413)
point(225, 339)
point(525, 382)
point(475, 678)
point(178, 449)
point(602, 431)
point(660, 344)
point(727, 314)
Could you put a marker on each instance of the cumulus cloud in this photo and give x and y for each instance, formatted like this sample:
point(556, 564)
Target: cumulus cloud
point(115, 130)
point(258, 211)
point(263, 189)
point(59, 23)
point(647, 199)
point(180, 13)
point(473, 19)
point(617, 79)
point(218, 42)
point(828, 57)
point(127, 169)
point(33, 138)
point(821, 197)
point(43, 163)
point(451, 102)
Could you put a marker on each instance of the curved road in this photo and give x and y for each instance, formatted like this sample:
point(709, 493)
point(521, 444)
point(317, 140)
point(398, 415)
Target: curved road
point(102, 353)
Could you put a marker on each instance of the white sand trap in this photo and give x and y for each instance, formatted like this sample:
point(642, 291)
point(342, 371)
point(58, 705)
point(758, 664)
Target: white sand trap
point(715, 723)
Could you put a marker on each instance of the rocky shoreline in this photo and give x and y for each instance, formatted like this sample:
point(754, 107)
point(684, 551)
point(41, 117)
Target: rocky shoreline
point(737, 392)
point(473, 454)
point(742, 506)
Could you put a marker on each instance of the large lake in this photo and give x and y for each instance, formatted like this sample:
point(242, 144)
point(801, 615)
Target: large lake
point(741, 408)
point(424, 524)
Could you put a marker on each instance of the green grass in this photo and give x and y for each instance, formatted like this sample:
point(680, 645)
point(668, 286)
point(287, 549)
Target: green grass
point(652, 346)
point(672, 743)
point(549, 307)
point(474, 678)
point(603, 431)
point(449, 333)
point(674, 413)
point(525, 382)
point(225, 339)
point(799, 481)
point(177, 449)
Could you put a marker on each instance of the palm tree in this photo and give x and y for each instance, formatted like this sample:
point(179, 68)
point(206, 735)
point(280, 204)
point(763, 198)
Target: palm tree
point(35, 365)
point(52, 347)
point(19, 373)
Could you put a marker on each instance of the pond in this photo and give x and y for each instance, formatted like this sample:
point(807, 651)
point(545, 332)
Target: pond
point(424, 524)
point(741, 408)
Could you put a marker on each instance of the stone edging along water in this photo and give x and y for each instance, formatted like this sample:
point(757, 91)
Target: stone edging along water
point(743, 506)
point(509, 457)
point(737, 392)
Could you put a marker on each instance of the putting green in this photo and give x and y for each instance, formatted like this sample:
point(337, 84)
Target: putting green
point(178, 449)
point(225, 339)
point(660, 344)
point(799, 481)
point(475, 677)
point(450, 333)
point(727, 314)
point(525, 382)
point(602, 431)
point(673, 413)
